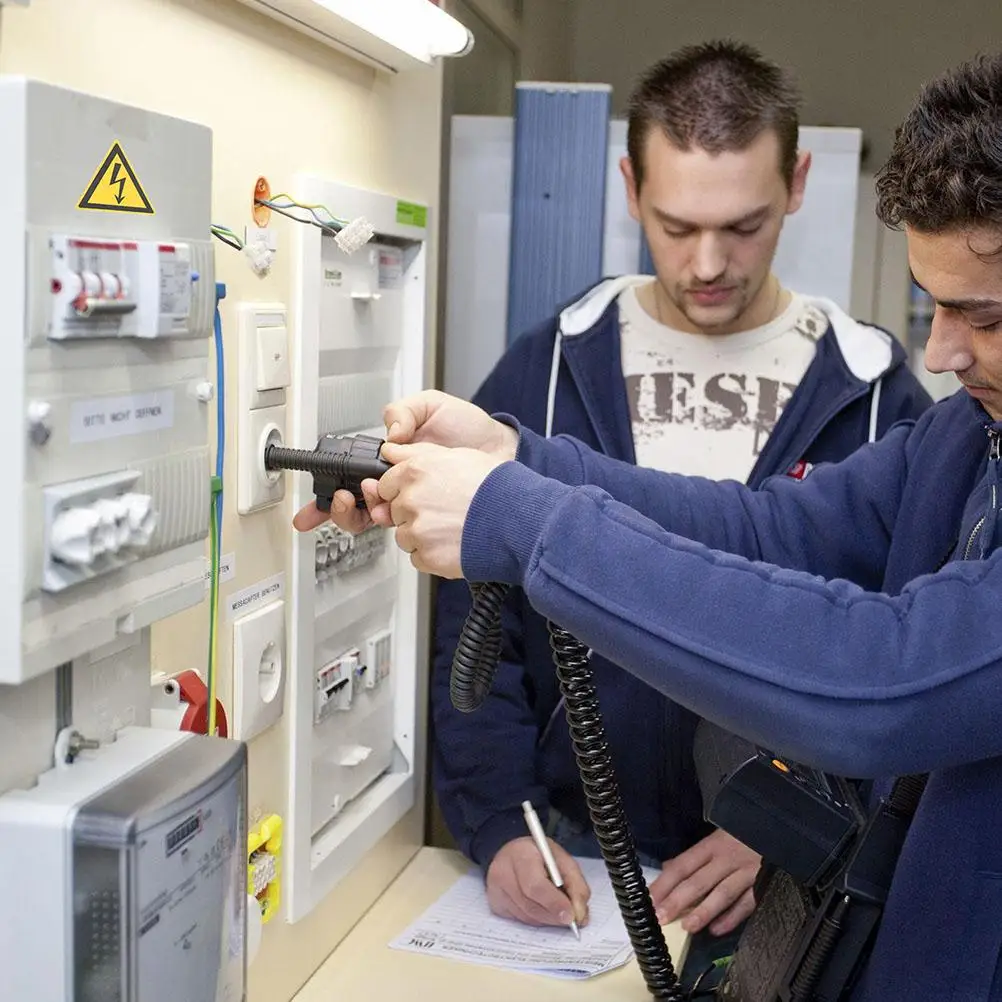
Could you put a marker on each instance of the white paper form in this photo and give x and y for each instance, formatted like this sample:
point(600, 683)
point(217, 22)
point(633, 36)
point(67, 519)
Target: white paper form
point(461, 926)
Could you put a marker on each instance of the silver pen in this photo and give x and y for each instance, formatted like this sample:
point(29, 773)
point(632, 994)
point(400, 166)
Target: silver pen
point(539, 837)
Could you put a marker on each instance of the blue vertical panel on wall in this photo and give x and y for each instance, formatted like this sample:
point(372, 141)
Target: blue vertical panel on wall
point(646, 261)
point(558, 197)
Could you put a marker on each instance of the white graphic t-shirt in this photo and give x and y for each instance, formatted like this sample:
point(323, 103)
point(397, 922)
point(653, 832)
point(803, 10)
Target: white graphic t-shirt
point(705, 404)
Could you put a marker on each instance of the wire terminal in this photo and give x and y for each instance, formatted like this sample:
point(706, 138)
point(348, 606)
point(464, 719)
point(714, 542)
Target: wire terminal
point(355, 235)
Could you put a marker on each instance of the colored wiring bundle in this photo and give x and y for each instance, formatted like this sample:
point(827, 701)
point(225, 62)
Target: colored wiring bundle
point(225, 235)
point(349, 236)
point(333, 223)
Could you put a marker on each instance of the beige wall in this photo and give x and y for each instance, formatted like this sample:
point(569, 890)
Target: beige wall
point(277, 103)
point(547, 40)
point(860, 62)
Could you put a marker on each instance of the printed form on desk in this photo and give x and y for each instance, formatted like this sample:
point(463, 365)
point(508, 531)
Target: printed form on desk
point(461, 926)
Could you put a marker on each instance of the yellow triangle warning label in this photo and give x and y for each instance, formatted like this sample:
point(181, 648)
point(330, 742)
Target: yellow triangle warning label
point(115, 187)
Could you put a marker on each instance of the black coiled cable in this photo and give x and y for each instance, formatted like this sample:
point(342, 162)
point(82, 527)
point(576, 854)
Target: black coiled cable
point(818, 953)
point(473, 669)
point(479, 648)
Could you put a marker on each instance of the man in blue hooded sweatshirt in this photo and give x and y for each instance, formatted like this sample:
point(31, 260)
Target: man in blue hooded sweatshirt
point(711, 368)
point(849, 620)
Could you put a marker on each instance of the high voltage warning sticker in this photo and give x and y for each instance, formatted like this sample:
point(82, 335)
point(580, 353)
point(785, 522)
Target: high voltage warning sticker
point(115, 187)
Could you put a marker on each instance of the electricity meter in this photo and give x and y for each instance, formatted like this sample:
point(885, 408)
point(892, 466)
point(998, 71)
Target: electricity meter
point(125, 874)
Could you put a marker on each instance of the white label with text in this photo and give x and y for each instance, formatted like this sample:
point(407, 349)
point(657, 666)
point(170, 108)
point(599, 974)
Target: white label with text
point(227, 568)
point(250, 598)
point(113, 417)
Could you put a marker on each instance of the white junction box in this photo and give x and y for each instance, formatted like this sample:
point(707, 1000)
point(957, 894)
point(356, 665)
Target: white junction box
point(108, 307)
point(356, 760)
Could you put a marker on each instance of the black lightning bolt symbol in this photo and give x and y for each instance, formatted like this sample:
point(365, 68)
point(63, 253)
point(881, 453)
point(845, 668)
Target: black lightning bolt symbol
point(115, 179)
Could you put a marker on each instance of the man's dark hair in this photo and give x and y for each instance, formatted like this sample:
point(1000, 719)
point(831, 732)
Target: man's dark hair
point(945, 171)
point(719, 96)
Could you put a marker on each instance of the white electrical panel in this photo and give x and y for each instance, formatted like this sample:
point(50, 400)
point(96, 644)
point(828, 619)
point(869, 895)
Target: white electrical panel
point(128, 842)
point(108, 303)
point(353, 739)
point(359, 343)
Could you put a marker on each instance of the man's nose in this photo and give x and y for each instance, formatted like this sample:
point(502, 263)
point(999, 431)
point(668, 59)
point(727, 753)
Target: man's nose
point(710, 261)
point(949, 346)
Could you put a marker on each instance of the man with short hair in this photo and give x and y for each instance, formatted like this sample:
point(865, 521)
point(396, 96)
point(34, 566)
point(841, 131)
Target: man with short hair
point(848, 620)
point(712, 369)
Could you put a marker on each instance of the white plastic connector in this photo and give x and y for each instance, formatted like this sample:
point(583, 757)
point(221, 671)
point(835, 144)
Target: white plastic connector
point(141, 518)
point(260, 256)
point(73, 533)
point(355, 235)
point(112, 531)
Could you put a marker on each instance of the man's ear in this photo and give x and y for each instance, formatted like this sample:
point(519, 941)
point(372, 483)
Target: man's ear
point(798, 183)
point(632, 194)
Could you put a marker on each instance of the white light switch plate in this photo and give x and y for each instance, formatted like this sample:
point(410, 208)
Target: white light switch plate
point(263, 377)
point(258, 670)
point(272, 362)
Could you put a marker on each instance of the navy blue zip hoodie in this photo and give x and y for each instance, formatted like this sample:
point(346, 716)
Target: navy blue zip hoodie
point(825, 632)
point(565, 377)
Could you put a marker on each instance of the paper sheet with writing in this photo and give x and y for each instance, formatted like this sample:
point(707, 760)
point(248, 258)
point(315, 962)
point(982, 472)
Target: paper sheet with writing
point(461, 926)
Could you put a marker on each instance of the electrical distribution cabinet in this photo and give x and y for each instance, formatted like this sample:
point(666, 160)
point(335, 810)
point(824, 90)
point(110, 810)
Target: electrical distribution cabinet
point(125, 846)
point(355, 764)
point(108, 274)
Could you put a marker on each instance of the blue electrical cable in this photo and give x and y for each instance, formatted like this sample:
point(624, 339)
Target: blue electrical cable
point(216, 512)
point(220, 406)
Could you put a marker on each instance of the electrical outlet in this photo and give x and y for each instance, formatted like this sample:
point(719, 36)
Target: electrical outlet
point(257, 487)
point(258, 670)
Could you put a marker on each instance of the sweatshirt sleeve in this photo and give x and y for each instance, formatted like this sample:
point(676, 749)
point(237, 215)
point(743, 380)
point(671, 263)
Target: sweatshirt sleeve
point(855, 682)
point(837, 522)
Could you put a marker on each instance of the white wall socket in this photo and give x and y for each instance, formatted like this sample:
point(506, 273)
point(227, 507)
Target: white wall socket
point(258, 670)
point(257, 487)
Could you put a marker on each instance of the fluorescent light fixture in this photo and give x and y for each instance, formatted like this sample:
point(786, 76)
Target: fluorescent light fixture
point(389, 34)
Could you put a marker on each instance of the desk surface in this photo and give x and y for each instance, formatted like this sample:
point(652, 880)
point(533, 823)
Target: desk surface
point(364, 969)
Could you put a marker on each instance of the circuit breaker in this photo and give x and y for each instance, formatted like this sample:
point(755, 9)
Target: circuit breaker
point(108, 300)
